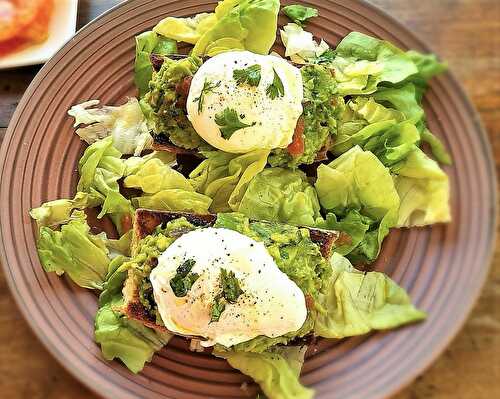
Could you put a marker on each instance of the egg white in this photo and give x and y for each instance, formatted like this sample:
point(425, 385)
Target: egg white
point(274, 120)
point(271, 304)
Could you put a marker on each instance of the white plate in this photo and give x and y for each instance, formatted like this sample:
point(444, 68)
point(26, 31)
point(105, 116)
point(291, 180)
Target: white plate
point(62, 28)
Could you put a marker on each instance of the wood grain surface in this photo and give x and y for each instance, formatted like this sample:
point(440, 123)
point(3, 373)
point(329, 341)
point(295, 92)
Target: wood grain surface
point(464, 32)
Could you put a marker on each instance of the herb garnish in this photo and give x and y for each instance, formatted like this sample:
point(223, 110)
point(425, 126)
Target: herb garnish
point(208, 87)
point(182, 282)
point(250, 75)
point(229, 122)
point(276, 88)
point(230, 292)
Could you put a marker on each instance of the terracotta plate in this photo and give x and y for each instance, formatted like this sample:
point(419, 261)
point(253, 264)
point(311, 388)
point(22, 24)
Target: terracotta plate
point(443, 267)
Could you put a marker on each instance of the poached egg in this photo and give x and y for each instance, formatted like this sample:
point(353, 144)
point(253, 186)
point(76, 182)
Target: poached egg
point(270, 303)
point(271, 120)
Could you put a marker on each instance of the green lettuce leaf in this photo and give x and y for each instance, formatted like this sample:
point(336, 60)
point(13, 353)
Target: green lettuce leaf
point(356, 303)
point(300, 14)
point(281, 195)
point(363, 62)
point(175, 200)
point(74, 251)
point(188, 30)
point(155, 176)
point(241, 24)
point(277, 371)
point(437, 147)
point(146, 44)
point(115, 278)
point(300, 45)
point(134, 164)
point(357, 180)
point(100, 169)
point(424, 190)
point(125, 339)
point(428, 66)
point(55, 213)
point(225, 177)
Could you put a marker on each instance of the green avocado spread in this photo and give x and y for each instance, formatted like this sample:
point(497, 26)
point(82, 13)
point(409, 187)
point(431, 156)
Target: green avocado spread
point(291, 248)
point(163, 104)
point(320, 116)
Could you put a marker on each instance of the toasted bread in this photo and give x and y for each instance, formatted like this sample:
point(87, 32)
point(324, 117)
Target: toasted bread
point(145, 224)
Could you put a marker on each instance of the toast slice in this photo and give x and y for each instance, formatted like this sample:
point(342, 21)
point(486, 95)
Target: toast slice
point(145, 224)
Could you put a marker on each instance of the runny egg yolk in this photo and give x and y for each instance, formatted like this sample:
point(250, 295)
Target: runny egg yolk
point(268, 302)
point(264, 110)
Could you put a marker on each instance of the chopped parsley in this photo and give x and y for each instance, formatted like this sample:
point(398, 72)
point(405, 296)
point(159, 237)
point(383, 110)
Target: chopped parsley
point(218, 307)
point(250, 75)
point(275, 89)
point(208, 87)
point(230, 292)
point(229, 122)
point(182, 282)
point(231, 289)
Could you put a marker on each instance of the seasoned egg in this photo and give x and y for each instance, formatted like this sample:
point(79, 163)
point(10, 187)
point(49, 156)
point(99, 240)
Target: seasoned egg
point(240, 101)
point(223, 286)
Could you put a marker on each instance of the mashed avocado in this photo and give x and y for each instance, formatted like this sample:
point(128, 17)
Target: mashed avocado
point(163, 106)
point(291, 247)
point(147, 251)
point(319, 116)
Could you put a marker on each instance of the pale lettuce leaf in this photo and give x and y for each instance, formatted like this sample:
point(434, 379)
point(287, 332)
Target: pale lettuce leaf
point(356, 303)
point(175, 200)
point(155, 176)
point(54, 213)
point(281, 195)
point(125, 339)
point(75, 251)
point(125, 123)
point(225, 177)
point(276, 371)
point(424, 190)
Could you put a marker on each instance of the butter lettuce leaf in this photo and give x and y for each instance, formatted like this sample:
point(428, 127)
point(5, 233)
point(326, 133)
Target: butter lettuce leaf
point(300, 14)
point(424, 190)
point(100, 169)
point(276, 371)
point(55, 213)
point(75, 251)
point(188, 30)
point(356, 303)
point(363, 62)
point(175, 200)
point(148, 43)
point(281, 195)
point(155, 176)
point(357, 180)
point(125, 339)
point(241, 24)
point(225, 177)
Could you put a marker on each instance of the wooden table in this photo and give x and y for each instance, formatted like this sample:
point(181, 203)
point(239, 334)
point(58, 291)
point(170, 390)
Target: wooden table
point(464, 32)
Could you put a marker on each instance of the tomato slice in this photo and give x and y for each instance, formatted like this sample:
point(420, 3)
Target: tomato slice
point(296, 147)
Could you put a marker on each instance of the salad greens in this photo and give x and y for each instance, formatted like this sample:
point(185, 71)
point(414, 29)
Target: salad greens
point(148, 43)
point(300, 14)
point(356, 165)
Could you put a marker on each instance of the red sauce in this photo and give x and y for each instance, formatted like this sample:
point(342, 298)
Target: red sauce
point(23, 23)
point(296, 147)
